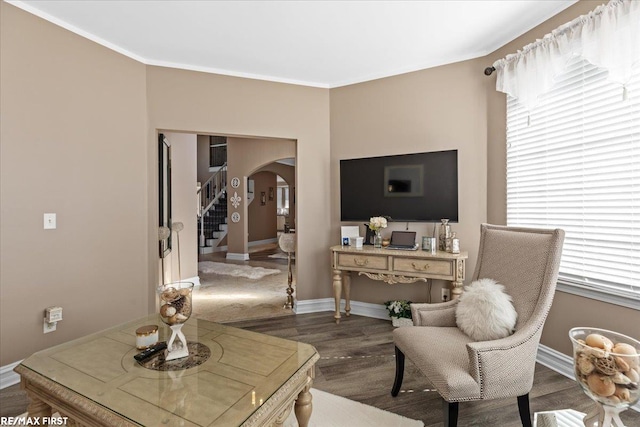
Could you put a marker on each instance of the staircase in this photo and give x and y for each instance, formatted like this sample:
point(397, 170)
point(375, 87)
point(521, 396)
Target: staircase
point(212, 211)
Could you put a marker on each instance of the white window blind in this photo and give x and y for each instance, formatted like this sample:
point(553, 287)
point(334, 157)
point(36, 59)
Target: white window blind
point(576, 166)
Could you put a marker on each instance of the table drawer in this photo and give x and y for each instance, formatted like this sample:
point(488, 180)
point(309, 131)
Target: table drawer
point(363, 261)
point(442, 268)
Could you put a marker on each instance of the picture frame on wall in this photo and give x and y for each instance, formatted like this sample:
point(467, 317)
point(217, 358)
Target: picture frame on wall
point(263, 198)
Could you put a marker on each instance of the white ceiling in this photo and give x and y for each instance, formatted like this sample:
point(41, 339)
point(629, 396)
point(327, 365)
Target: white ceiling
point(314, 43)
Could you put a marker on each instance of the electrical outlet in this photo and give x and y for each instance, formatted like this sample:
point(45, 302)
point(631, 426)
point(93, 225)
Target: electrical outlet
point(49, 327)
point(446, 294)
point(53, 314)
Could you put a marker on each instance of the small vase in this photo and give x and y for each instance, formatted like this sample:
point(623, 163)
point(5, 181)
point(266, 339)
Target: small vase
point(377, 239)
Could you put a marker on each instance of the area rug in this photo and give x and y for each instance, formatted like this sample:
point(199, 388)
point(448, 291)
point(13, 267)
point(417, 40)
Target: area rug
point(235, 270)
point(330, 410)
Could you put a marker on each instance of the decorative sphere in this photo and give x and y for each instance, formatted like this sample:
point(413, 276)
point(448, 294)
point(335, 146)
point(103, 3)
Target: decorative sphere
point(163, 232)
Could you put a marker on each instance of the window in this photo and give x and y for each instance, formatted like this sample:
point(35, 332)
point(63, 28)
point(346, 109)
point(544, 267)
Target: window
point(283, 200)
point(217, 151)
point(574, 163)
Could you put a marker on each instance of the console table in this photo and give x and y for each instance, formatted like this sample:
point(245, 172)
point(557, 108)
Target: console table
point(393, 267)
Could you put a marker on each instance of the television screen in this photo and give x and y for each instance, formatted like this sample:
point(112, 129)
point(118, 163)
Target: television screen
point(409, 187)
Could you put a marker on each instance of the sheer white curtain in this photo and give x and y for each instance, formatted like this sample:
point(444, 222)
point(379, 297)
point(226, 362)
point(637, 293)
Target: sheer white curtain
point(608, 37)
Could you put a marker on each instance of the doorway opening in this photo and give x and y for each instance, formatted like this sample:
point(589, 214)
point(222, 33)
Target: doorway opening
point(242, 270)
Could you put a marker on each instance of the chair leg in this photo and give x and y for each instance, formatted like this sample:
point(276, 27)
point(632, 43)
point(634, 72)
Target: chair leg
point(525, 412)
point(450, 412)
point(399, 372)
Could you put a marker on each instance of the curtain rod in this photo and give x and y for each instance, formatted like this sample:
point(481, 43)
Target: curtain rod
point(489, 70)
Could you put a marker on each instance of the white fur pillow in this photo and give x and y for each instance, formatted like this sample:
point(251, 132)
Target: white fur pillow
point(485, 311)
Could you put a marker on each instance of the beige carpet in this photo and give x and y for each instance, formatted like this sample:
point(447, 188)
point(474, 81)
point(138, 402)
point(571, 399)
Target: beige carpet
point(330, 410)
point(223, 298)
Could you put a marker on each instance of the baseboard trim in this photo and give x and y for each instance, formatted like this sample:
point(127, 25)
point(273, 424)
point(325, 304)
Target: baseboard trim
point(7, 376)
point(237, 257)
point(556, 361)
point(315, 305)
point(195, 280)
point(376, 311)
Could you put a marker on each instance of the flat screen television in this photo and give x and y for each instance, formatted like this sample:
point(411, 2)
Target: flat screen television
point(410, 187)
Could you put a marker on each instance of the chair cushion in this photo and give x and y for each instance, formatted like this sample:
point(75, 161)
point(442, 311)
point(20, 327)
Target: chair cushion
point(485, 311)
point(440, 353)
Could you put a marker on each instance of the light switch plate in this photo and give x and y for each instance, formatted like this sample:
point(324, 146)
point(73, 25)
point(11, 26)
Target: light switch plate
point(49, 221)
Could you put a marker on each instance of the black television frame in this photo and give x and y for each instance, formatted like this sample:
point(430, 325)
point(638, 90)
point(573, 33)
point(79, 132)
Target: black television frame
point(427, 189)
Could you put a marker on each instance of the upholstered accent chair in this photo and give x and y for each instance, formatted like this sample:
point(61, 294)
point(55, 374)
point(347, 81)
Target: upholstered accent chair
point(526, 262)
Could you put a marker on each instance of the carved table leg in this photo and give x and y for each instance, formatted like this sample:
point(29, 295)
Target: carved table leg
point(346, 281)
point(37, 408)
point(303, 405)
point(458, 282)
point(337, 292)
point(456, 290)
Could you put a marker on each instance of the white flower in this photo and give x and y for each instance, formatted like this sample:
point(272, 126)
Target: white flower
point(395, 307)
point(377, 223)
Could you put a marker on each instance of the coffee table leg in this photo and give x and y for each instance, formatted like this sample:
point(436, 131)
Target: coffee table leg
point(37, 408)
point(303, 407)
point(69, 422)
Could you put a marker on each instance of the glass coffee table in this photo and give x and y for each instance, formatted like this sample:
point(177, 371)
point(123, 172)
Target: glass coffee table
point(234, 378)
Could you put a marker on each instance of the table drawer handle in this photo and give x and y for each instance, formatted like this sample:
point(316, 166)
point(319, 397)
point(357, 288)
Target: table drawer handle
point(361, 262)
point(424, 267)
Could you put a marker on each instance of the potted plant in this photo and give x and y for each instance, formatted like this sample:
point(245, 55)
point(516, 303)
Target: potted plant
point(400, 312)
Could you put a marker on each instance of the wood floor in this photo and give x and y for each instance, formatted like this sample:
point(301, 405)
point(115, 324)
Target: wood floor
point(357, 362)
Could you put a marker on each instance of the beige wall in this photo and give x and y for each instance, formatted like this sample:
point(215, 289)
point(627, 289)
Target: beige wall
point(262, 218)
point(74, 142)
point(74, 116)
point(184, 205)
point(568, 310)
point(441, 108)
point(213, 104)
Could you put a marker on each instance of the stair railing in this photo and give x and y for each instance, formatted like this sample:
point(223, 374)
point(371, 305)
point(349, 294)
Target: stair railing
point(212, 190)
point(209, 194)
